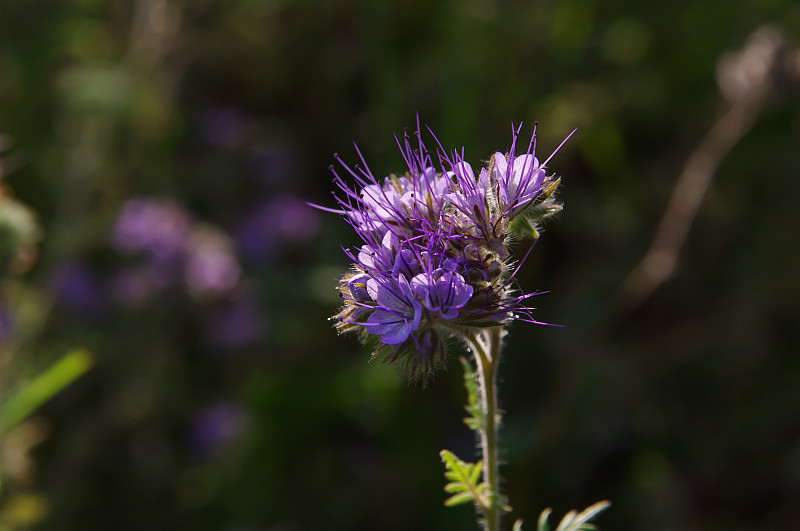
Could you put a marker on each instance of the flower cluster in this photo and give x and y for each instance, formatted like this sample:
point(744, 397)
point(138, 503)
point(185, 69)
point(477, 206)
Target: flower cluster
point(176, 248)
point(434, 262)
point(171, 252)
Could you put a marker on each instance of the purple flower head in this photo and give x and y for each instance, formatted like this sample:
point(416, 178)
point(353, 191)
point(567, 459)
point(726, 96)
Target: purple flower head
point(520, 180)
point(381, 257)
point(263, 231)
point(431, 346)
point(7, 324)
point(237, 324)
point(211, 266)
point(224, 127)
point(397, 313)
point(434, 257)
point(405, 263)
point(256, 236)
point(216, 426)
point(78, 289)
point(156, 227)
point(134, 286)
point(358, 288)
point(468, 195)
point(293, 220)
point(273, 163)
point(443, 292)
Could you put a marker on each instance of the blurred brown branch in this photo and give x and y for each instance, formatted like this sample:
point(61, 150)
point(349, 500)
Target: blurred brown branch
point(747, 79)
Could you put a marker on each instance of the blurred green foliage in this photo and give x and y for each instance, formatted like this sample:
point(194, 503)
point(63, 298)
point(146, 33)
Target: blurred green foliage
point(26, 400)
point(227, 114)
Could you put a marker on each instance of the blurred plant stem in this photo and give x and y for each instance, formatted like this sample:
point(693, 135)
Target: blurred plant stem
point(746, 79)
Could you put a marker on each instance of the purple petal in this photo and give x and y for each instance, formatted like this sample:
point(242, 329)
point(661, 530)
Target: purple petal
point(392, 328)
point(358, 288)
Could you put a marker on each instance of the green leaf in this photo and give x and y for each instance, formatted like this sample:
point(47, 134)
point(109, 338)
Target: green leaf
point(550, 188)
point(567, 521)
point(458, 499)
point(43, 387)
point(463, 479)
point(528, 221)
point(517, 526)
point(543, 525)
point(476, 473)
point(589, 513)
point(500, 501)
point(475, 421)
point(574, 521)
point(523, 226)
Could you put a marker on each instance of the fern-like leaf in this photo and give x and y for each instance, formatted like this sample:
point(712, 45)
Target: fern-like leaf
point(574, 521)
point(475, 421)
point(543, 525)
point(463, 481)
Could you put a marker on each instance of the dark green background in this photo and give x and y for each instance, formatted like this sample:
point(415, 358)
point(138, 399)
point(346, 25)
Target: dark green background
point(685, 414)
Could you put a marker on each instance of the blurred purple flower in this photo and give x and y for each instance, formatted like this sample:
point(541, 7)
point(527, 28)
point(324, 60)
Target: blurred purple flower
point(273, 163)
point(158, 227)
point(6, 324)
point(176, 247)
point(294, 220)
point(77, 288)
point(237, 324)
point(224, 127)
point(282, 218)
point(255, 235)
point(135, 285)
point(211, 266)
point(216, 426)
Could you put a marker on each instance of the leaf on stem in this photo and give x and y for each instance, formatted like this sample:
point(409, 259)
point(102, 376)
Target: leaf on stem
point(463, 478)
point(522, 226)
point(574, 521)
point(475, 421)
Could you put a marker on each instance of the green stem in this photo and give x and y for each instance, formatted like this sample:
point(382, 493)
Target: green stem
point(487, 353)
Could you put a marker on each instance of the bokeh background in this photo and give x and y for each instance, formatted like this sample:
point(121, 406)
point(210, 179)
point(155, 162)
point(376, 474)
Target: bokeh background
point(167, 149)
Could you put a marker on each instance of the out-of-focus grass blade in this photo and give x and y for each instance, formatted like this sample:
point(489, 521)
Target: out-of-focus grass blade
point(63, 372)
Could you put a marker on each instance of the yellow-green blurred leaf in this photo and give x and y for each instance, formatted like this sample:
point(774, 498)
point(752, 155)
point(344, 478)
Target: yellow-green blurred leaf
point(36, 392)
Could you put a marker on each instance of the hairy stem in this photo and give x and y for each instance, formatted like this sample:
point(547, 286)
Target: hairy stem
point(487, 352)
